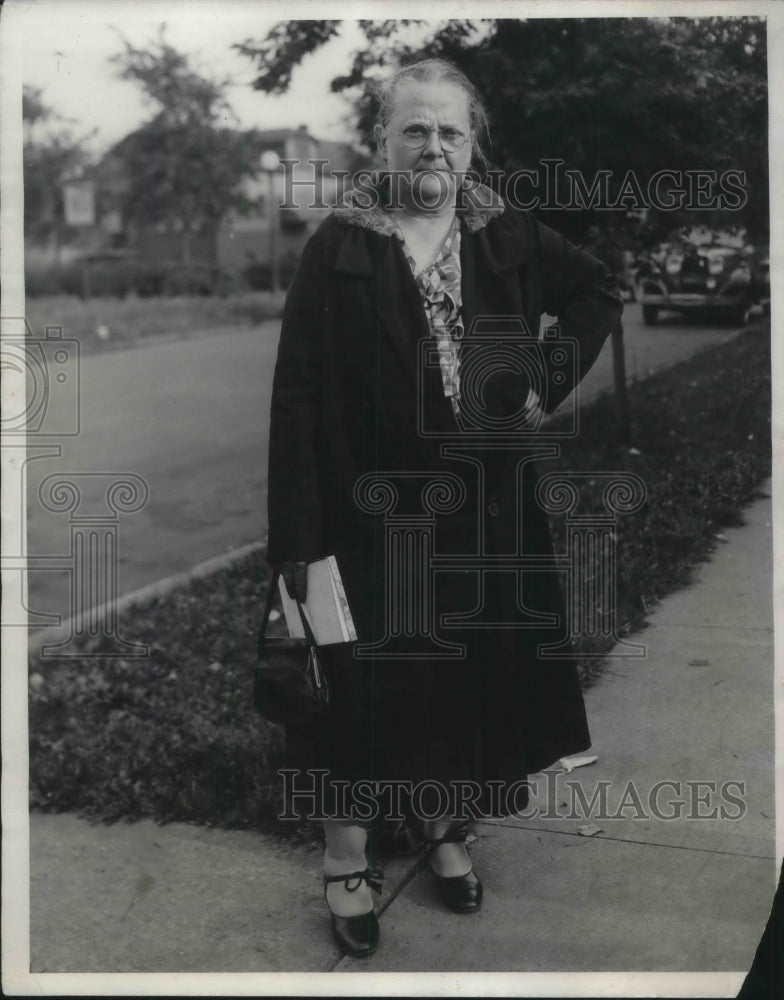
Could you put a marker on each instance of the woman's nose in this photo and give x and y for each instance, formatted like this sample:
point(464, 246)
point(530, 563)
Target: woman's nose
point(432, 147)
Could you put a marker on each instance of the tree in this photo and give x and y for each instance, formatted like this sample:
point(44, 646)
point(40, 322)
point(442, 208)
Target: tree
point(51, 155)
point(613, 94)
point(183, 166)
point(34, 110)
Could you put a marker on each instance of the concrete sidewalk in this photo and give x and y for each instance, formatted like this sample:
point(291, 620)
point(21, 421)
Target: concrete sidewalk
point(690, 893)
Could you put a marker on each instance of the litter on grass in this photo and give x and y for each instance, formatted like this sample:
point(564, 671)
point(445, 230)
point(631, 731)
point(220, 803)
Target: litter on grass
point(570, 763)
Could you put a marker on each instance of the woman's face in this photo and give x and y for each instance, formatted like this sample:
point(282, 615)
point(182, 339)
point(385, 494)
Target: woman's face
point(436, 173)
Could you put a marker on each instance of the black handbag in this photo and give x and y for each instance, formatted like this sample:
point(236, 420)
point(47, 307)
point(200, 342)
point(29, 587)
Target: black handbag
point(289, 684)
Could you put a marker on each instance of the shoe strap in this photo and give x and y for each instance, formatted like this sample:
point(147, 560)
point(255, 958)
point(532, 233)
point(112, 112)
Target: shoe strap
point(372, 876)
point(455, 834)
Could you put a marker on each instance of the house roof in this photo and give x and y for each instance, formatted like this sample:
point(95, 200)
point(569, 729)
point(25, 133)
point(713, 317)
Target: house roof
point(339, 155)
point(281, 134)
point(342, 155)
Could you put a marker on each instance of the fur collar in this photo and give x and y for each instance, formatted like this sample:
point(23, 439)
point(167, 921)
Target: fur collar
point(363, 207)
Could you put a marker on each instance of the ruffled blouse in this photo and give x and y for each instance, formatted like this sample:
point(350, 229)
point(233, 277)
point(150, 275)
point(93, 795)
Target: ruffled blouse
point(439, 286)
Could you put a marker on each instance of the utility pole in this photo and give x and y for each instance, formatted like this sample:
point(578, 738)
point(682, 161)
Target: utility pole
point(270, 162)
point(619, 378)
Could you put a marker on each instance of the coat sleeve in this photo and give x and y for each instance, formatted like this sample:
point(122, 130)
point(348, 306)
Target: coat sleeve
point(584, 295)
point(293, 503)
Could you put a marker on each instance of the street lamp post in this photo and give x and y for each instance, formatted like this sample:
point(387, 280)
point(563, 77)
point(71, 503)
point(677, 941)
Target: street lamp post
point(270, 161)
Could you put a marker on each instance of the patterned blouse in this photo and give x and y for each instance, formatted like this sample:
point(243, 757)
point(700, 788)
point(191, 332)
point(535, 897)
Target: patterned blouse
point(439, 285)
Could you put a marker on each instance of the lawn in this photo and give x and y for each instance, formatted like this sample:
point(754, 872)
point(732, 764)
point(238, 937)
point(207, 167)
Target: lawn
point(175, 737)
point(104, 323)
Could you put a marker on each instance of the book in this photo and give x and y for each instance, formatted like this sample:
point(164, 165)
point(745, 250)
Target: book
point(326, 608)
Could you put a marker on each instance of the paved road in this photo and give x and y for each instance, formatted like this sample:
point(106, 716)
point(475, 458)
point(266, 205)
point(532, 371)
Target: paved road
point(190, 418)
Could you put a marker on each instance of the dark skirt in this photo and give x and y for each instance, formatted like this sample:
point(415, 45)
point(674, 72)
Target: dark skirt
point(435, 736)
point(490, 716)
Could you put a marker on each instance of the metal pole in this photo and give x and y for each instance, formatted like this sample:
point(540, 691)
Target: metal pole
point(619, 377)
point(58, 244)
point(273, 246)
point(86, 278)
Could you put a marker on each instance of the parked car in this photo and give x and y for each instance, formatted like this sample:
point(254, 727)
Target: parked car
point(704, 271)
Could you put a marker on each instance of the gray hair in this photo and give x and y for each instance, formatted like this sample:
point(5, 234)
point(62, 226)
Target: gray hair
point(437, 71)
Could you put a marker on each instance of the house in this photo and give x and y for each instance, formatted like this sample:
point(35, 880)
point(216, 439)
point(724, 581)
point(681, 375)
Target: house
point(311, 176)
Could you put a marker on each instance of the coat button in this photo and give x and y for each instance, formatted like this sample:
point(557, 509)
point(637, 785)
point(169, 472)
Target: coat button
point(494, 508)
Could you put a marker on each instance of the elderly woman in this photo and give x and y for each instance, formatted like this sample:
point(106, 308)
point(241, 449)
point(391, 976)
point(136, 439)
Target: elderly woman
point(374, 434)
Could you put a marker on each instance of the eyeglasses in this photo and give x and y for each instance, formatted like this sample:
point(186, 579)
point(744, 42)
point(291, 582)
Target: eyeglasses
point(417, 136)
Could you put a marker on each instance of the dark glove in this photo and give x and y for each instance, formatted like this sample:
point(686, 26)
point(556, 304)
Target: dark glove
point(295, 576)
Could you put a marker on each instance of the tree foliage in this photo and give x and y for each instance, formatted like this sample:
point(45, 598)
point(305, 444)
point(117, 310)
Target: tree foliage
point(34, 108)
point(284, 48)
point(51, 155)
point(616, 94)
point(184, 166)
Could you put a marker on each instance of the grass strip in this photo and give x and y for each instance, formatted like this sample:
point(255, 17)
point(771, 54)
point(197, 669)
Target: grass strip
point(105, 323)
point(175, 737)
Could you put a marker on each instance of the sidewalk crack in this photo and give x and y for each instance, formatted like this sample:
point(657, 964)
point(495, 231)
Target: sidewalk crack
point(638, 843)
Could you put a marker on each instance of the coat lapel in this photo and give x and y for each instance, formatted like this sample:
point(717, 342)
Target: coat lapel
point(491, 258)
point(390, 287)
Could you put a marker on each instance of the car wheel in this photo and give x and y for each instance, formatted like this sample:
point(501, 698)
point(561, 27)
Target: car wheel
point(740, 315)
point(650, 315)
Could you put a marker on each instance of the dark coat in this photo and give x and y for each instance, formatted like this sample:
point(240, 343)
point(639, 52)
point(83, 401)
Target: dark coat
point(352, 398)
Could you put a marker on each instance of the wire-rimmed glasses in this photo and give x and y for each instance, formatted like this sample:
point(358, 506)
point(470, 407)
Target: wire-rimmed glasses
point(417, 136)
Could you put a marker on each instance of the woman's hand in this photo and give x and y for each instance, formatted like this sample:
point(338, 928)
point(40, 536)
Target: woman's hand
point(295, 576)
